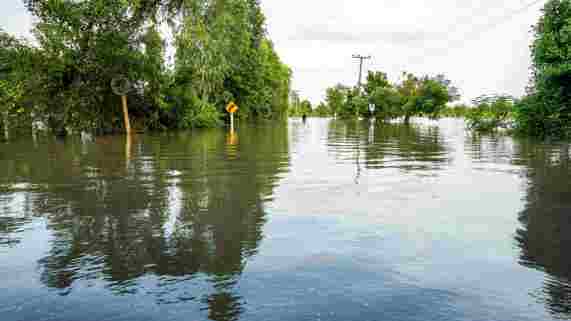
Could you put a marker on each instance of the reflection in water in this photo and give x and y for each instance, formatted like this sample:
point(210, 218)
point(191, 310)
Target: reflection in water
point(179, 209)
point(545, 237)
point(177, 226)
point(388, 145)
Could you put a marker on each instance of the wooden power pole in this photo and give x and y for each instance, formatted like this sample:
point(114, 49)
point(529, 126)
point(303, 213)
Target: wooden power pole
point(361, 59)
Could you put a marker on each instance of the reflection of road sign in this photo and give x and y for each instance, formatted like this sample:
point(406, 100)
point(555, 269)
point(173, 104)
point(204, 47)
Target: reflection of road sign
point(232, 139)
point(232, 107)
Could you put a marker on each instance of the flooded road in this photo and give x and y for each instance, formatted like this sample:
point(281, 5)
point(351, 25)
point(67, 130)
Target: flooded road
point(323, 220)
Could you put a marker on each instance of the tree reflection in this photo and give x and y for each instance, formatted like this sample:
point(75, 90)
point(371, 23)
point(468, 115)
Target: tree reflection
point(180, 208)
point(545, 238)
point(380, 145)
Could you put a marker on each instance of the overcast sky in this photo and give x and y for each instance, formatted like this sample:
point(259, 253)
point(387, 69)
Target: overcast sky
point(482, 46)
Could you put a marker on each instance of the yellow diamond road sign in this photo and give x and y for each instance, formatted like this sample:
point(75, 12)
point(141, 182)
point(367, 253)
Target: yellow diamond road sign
point(232, 107)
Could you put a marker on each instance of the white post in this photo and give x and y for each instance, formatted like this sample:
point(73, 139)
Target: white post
point(232, 122)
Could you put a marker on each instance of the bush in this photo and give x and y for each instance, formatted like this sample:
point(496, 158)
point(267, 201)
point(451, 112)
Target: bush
point(204, 114)
point(491, 115)
point(536, 116)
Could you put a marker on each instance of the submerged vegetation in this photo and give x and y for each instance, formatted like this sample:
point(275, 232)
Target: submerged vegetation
point(413, 96)
point(490, 113)
point(185, 60)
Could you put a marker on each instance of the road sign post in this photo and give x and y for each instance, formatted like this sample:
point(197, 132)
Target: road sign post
point(126, 115)
point(232, 108)
point(121, 86)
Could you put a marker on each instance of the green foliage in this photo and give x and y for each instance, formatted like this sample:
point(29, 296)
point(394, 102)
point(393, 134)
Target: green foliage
point(414, 96)
point(490, 114)
point(14, 56)
point(305, 108)
point(546, 111)
point(457, 111)
point(322, 110)
point(336, 98)
point(222, 54)
point(387, 101)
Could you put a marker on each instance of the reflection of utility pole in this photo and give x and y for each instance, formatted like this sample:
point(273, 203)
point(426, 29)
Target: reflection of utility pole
point(357, 160)
point(361, 59)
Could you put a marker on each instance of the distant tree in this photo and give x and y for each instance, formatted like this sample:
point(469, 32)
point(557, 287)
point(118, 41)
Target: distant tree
point(375, 80)
point(432, 97)
point(294, 103)
point(322, 110)
point(336, 98)
point(305, 108)
point(412, 96)
point(422, 96)
point(453, 91)
point(387, 101)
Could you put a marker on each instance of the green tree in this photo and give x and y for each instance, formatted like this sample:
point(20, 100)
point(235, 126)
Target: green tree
point(336, 98)
point(84, 44)
point(306, 108)
point(223, 53)
point(422, 96)
point(375, 80)
point(546, 111)
point(14, 57)
point(322, 110)
point(387, 102)
point(432, 97)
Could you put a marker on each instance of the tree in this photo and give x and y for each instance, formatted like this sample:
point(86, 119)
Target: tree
point(322, 110)
point(432, 97)
point(546, 111)
point(408, 90)
point(375, 80)
point(294, 103)
point(336, 98)
point(387, 102)
point(425, 96)
point(223, 53)
point(453, 91)
point(422, 96)
point(14, 56)
point(305, 108)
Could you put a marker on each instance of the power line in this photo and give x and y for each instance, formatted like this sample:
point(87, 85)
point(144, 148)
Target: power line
point(455, 44)
point(492, 25)
point(451, 44)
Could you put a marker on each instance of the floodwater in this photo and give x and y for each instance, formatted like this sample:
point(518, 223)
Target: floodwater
point(323, 220)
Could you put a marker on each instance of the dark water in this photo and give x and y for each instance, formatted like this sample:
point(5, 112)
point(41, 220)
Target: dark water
point(327, 220)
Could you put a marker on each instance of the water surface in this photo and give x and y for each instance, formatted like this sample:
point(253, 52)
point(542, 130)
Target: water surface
point(324, 220)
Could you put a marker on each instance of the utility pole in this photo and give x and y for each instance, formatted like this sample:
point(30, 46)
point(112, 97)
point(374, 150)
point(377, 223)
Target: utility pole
point(361, 59)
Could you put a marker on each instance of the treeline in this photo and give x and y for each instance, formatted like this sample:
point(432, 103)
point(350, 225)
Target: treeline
point(185, 60)
point(378, 97)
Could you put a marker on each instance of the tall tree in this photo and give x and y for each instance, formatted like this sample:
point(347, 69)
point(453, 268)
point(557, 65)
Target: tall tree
point(546, 111)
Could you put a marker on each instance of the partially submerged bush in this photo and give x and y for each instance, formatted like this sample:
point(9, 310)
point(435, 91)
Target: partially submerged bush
point(491, 114)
